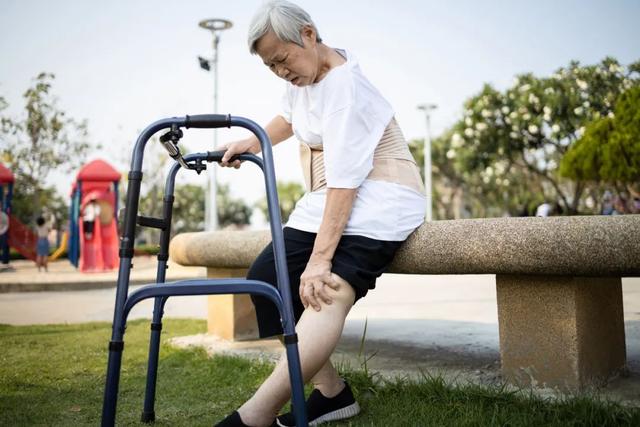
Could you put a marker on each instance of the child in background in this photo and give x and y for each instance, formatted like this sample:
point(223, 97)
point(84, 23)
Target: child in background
point(89, 215)
point(42, 245)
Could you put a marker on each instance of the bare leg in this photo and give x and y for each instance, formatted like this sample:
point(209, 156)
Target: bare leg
point(318, 334)
point(328, 381)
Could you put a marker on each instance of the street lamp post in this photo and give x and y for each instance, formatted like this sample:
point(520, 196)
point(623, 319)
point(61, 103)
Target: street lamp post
point(427, 108)
point(210, 205)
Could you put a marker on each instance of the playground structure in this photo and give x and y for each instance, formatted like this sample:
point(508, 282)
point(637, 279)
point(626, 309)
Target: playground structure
point(61, 249)
point(93, 242)
point(6, 192)
point(96, 182)
point(13, 233)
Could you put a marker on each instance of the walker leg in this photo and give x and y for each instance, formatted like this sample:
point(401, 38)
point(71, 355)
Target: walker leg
point(298, 406)
point(148, 411)
point(116, 346)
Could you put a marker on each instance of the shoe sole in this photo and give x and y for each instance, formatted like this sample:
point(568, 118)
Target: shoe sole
point(340, 414)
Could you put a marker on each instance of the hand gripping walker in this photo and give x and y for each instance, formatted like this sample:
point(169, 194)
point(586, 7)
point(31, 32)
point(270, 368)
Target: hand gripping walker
point(161, 291)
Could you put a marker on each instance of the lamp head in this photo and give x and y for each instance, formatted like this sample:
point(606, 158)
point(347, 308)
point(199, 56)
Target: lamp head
point(427, 107)
point(215, 24)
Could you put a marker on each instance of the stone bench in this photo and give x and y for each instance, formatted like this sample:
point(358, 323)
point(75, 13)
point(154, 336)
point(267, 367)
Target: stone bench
point(558, 281)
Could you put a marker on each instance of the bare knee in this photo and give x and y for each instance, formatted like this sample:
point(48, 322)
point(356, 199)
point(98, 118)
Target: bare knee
point(344, 293)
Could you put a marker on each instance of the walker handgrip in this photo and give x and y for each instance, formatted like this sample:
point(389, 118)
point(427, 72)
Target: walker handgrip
point(216, 156)
point(208, 121)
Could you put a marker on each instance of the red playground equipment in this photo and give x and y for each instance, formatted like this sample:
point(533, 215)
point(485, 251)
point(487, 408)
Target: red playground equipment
point(13, 233)
point(93, 242)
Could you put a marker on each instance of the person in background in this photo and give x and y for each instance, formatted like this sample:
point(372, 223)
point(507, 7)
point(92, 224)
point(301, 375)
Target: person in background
point(607, 203)
point(620, 205)
point(89, 215)
point(544, 210)
point(42, 244)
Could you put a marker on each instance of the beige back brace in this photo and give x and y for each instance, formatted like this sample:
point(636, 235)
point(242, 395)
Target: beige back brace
point(392, 162)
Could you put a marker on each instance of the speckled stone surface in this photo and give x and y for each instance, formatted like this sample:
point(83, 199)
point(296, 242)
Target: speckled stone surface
point(558, 331)
point(558, 284)
point(218, 249)
point(574, 246)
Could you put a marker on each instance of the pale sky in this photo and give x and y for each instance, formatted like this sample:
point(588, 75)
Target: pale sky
point(123, 64)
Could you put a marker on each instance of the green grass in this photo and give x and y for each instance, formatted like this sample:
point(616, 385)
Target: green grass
point(54, 375)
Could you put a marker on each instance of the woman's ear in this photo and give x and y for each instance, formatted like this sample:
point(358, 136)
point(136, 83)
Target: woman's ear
point(308, 35)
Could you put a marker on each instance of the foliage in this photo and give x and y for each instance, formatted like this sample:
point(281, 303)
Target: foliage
point(503, 155)
point(150, 249)
point(53, 204)
point(288, 195)
point(188, 207)
point(33, 146)
point(231, 211)
point(609, 150)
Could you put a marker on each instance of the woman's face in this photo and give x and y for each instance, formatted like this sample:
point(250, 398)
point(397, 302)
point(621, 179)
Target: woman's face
point(298, 65)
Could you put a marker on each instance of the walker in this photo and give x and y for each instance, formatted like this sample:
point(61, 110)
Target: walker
point(161, 291)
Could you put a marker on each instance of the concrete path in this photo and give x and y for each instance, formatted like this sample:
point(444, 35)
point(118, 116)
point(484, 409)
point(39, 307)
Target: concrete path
point(23, 276)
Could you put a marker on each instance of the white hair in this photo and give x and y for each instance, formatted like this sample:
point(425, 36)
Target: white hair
point(284, 18)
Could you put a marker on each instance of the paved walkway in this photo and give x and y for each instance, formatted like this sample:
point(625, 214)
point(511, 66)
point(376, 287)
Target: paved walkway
point(443, 324)
point(23, 276)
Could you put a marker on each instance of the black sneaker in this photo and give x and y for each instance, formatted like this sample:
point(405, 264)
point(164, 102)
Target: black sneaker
point(322, 409)
point(234, 420)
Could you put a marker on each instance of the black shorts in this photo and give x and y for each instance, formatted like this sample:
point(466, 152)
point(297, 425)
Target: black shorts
point(358, 260)
point(87, 226)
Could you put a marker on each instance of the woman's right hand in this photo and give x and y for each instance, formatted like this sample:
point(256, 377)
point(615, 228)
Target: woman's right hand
point(238, 147)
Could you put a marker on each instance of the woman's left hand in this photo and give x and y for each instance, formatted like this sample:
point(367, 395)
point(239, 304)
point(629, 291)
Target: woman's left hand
point(314, 282)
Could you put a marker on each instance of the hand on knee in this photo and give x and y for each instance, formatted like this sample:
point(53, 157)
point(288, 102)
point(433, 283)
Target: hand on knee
point(339, 294)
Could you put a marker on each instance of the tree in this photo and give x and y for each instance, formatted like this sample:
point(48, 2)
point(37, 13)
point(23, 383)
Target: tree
point(504, 154)
point(34, 145)
point(188, 209)
point(288, 195)
point(231, 211)
point(609, 150)
point(460, 193)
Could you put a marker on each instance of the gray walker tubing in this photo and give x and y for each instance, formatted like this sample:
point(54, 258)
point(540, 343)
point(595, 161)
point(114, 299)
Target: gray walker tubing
point(281, 296)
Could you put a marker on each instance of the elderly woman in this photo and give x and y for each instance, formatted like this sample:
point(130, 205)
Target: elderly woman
point(364, 197)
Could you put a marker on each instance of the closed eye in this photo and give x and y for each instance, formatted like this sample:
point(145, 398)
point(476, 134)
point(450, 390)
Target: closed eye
point(280, 60)
point(273, 64)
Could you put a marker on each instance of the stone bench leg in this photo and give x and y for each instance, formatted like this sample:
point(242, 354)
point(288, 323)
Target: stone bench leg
point(558, 331)
point(231, 317)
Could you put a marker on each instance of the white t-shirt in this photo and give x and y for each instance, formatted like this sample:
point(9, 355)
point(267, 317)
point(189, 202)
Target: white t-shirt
point(42, 231)
point(345, 113)
point(543, 210)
